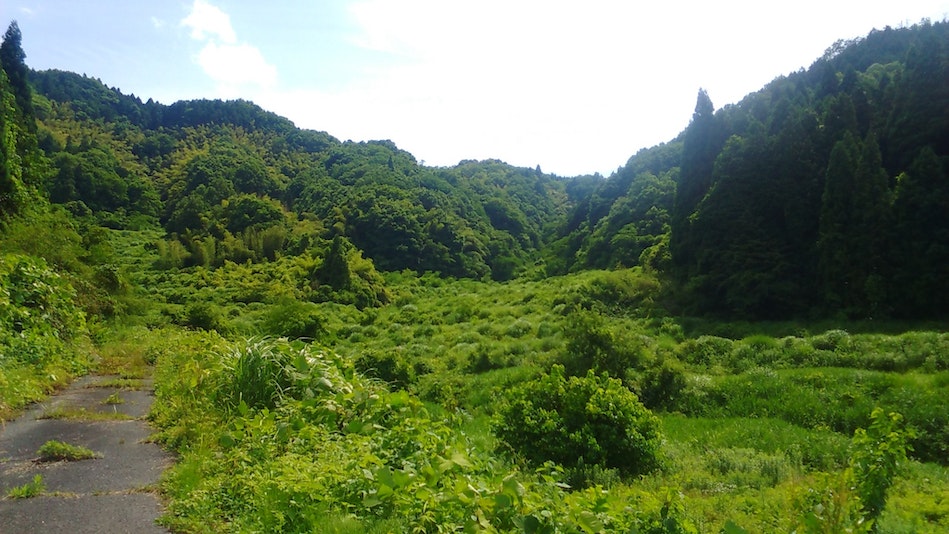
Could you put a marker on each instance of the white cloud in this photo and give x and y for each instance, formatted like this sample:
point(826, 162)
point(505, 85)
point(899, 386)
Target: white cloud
point(236, 65)
point(158, 23)
point(208, 22)
point(574, 87)
point(239, 69)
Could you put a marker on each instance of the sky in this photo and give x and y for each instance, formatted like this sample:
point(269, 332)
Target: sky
point(576, 87)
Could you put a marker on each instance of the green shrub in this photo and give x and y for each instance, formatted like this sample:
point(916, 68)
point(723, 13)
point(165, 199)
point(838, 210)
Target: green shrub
point(662, 383)
point(388, 367)
point(594, 344)
point(878, 453)
point(705, 350)
point(206, 316)
point(833, 340)
point(294, 319)
point(560, 419)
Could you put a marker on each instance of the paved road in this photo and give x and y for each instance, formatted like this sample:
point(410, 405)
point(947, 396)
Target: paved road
point(114, 493)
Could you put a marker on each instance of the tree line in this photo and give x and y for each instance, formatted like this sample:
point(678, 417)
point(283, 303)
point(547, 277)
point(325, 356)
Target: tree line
point(825, 192)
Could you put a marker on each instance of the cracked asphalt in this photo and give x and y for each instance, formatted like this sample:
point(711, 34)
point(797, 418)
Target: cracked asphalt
point(114, 493)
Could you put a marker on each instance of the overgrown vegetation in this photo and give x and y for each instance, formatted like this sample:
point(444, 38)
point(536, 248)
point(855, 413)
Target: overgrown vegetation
point(346, 340)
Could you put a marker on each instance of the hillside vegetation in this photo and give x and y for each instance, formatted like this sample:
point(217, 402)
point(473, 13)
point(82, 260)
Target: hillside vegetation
point(741, 330)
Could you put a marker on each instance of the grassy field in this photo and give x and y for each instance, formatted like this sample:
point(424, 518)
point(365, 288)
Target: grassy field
point(298, 416)
point(758, 430)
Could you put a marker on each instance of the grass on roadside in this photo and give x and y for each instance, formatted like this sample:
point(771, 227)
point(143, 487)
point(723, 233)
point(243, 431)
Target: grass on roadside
point(33, 488)
point(53, 451)
point(83, 414)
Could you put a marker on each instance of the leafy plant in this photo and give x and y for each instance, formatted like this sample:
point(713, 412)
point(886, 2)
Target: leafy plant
point(257, 374)
point(33, 488)
point(878, 453)
point(294, 319)
point(560, 419)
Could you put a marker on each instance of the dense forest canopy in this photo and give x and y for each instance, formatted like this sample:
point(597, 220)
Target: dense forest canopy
point(802, 199)
point(823, 193)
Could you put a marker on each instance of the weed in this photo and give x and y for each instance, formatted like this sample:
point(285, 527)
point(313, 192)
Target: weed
point(114, 399)
point(31, 489)
point(83, 415)
point(53, 451)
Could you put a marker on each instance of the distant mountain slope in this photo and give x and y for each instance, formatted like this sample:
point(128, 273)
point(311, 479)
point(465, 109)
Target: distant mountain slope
point(217, 174)
point(824, 192)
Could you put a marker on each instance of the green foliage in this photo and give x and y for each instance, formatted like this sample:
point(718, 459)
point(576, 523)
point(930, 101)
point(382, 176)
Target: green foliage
point(41, 330)
point(784, 203)
point(662, 383)
point(878, 453)
point(12, 189)
point(855, 501)
point(294, 319)
point(345, 276)
point(833, 507)
point(335, 445)
point(560, 419)
point(258, 374)
point(594, 344)
point(840, 399)
point(206, 316)
point(34, 488)
point(53, 451)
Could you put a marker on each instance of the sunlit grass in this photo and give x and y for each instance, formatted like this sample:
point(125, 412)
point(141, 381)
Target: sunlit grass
point(82, 414)
point(34, 488)
point(54, 450)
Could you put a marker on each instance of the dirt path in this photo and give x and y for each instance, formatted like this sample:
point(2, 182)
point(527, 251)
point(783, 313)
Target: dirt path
point(113, 493)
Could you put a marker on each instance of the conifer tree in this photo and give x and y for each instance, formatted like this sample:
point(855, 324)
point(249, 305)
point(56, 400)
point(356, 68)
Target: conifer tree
point(836, 218)
point(13, 60)
point(702, 143)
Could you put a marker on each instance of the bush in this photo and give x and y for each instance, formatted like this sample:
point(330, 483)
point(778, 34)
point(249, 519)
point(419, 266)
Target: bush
point(388, 367)
point(294, 319)
point(577, 421)
point(593, 344)
point(662, 383)
point(878, 453)
point(205, 316)
point(706, 351)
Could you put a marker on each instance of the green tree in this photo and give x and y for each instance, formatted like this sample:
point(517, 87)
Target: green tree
point(12, 190)
point(836, 218)
point(23, 165)
point(335, 269)
point(855, 220)
point(13, 60)
point(921, 248)
point(872, 222)
point(702, 142)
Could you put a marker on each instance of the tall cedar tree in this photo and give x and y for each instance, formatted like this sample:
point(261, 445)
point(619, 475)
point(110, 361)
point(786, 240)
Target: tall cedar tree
point(11, 185)
point(23, 163)
point(702, 143)
point(13, 60)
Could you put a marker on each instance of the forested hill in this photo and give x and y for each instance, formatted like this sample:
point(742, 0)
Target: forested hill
point(825, 192)
point(230, 181)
